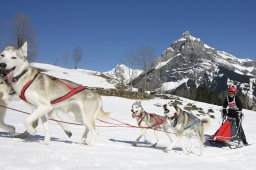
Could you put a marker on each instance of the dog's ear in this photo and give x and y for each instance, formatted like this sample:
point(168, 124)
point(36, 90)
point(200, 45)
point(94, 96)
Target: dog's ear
point(24, 49)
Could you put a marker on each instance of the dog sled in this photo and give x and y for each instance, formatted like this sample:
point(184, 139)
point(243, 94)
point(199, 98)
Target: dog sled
point(228, 134)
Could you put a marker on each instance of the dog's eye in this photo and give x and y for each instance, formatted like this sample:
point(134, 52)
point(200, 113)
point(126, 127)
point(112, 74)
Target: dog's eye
point(14, 57)
point(2, 55)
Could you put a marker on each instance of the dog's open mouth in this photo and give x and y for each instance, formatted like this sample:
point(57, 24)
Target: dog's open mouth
point(166, 110)
point(9, 75)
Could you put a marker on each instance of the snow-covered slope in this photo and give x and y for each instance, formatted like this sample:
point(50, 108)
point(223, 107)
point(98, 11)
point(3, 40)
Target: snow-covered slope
point(113, 149)
point(80, 76)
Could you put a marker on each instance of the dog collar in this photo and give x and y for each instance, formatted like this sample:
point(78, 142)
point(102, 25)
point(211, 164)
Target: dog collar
point(174, 116)
point(15, 79)
point(174, 119)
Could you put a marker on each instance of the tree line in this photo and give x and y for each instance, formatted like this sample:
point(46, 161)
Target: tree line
point(203, 94)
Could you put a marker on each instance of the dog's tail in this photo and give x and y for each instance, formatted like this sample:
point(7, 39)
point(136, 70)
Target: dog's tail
point(206, 123)
point(104, 115)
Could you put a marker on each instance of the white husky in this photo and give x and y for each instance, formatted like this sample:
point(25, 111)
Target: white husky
point(185, 124)
point(147, 120)
point(45, 93)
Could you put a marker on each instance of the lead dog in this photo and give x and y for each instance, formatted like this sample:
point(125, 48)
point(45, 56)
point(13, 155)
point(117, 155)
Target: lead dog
point(147, 120)
point(45, 93)
point(6, 95)
point(185, 124)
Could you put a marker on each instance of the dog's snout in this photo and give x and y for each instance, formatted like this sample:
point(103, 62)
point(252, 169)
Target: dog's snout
point(3, 65)
point(165, 105)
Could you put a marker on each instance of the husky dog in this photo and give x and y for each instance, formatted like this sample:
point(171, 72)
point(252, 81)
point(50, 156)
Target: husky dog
point(185, 124)
point(6, 95)
point(147, 120)
point(45, 93)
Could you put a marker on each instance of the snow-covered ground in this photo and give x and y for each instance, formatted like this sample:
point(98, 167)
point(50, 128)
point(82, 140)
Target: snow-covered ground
point(113, 149)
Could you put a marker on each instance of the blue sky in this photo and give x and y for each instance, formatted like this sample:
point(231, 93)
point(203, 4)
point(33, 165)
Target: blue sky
point(105, 29)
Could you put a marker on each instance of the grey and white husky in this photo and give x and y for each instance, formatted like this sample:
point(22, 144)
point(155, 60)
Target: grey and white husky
point(185, 124)
point(40, 90)
point(147, 120)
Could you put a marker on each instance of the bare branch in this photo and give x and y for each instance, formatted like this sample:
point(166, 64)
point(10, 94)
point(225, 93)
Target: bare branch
point(22, 31)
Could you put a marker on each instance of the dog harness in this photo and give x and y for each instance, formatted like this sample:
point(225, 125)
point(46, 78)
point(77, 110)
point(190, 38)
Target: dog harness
point(191, 125)
point(175, 120)
point(72, 92)
point(159, 120)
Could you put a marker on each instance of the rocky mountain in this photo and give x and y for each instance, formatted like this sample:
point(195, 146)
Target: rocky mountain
point(188, 63)
point(122, 74)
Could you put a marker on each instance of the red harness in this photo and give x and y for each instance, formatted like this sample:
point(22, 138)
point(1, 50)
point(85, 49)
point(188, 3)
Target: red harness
point(72, 92)
point(159, 120)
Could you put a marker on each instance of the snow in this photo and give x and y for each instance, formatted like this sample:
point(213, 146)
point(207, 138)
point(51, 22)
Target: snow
point(172, 85)
point(83, 77)
point(207, 46)
point(161, 64)
point(122, 73)
point(235, 62)
point(113, 149)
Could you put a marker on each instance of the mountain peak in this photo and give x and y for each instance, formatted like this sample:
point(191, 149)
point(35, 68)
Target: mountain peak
point(122, 73)
point(186, 34)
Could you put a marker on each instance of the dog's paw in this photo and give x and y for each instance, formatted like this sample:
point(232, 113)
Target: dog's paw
point(84, 142)
point(12, 129)
point(68, 133)
point(134, 144)
point(45, 142)
point(186, 152)
point(154, 145)
point(31, 130)
point(167, 149)
point(147, 141)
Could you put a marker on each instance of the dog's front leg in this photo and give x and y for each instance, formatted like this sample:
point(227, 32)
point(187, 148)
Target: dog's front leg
point(47, 137)
point(38, 113)
point(184, 149)
point(157, 138)
point(3, 125)
point(177, 139)
point(143, 131)
point(192, 145)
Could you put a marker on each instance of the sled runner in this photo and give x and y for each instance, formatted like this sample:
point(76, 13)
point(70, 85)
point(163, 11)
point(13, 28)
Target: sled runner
point(228, 134)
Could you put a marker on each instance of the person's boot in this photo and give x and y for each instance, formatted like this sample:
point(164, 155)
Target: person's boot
point(245, 143)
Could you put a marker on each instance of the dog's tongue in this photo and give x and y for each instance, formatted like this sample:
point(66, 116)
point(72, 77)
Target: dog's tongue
point(10, 77)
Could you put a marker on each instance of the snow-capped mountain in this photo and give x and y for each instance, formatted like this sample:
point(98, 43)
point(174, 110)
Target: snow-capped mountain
point(188, 62)
point(122, 74)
